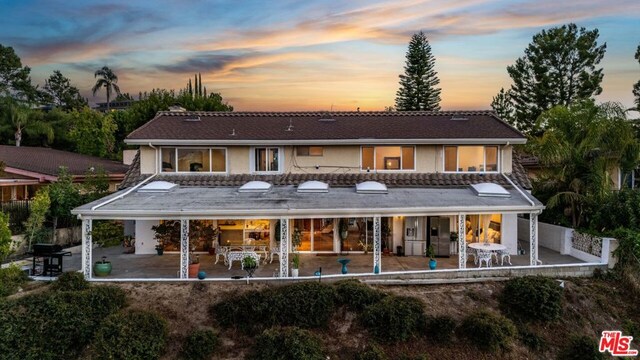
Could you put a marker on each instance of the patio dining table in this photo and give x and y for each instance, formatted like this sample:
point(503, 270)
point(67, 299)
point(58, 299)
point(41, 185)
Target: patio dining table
point(262, 249)
point(487, 246)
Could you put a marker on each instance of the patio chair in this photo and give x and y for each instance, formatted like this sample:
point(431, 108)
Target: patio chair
point(502, 254)
point(486, 256)
point(221, 251)
point(472, 252)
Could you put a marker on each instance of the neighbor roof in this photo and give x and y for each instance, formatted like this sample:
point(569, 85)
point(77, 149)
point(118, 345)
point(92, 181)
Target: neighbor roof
point(48, 161)
point(170, 127)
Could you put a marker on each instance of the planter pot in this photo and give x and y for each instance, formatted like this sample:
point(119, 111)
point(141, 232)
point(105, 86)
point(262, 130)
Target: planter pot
point(294, 273)
point(432, 264)
point(129, 250)
point(102, 269)
point(193, 270)
point(160, 251)
point(343, 235)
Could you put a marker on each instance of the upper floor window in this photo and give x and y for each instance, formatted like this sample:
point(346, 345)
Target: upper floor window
point(266, 159)
point(470, 158)
point(388, 158)
point(194, 160)
point(309, 150)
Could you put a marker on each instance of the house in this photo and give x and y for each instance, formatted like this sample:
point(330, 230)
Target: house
point(340, 182)
point(28, 168)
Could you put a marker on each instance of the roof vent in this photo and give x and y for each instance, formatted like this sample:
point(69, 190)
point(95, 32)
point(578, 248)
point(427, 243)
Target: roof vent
point(459, 118)
point(371, 187)
point(197, 118)
point(326, 117)
point(489, 190)
point(157, 187)
point(313, 187)
point(177, 108)
point(255, 187)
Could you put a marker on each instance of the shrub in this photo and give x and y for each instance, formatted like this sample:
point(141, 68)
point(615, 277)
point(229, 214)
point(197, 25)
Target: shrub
point(372, 352)
point(356, 295)
point(54, 324)
point(531, 339)
point(441, 328)
point(200, 344)
point(244, 311)
point(70, 281)
point(11, 279)
point(488, 331)
point(107, 233)
point(287, 343)
point(394, 318)
point(581, 348)
point(532, 298)
point(131, 335)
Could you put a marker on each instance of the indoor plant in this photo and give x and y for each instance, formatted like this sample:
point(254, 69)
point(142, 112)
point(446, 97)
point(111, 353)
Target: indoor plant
point(160, 248)
point(343, 228)
point(249, 265)
point(432, 257)
point(295, 264)
point(102, 268)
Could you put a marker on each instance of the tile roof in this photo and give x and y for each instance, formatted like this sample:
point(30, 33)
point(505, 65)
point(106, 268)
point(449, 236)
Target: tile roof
point(309, 126)
point(519, 177)
point(48, 161)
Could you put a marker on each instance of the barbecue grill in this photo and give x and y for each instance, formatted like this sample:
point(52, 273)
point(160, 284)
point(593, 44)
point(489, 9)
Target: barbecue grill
point(47, 259)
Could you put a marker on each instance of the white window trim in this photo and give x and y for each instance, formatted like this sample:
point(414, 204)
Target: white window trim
point(484, 151)
point(415, 158)
point(226, 160)
point(252, 160)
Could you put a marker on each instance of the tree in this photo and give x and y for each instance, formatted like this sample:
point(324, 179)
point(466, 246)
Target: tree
point(38, 209)
point(580, 147)
point(59, 90)
point(503, 106)
point(96, 184)
point(93, 132)
point(15, 81)
point(64, 197)
point(20, 119)
point(418, 89)
point(6, 242)
point(108, 80)
point(636, 86)
point(558, 68)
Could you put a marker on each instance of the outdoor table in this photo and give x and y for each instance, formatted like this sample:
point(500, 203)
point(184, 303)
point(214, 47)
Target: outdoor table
point(487, 246)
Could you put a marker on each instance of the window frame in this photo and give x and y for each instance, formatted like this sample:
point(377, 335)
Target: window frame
point(175, 154)
point(309, 154)
point(252, 160)
point(415, 160)
point(484, 156)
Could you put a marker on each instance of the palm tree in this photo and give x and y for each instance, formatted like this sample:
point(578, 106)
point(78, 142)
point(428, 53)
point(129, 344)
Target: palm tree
point(108, 80)
point(21, 119)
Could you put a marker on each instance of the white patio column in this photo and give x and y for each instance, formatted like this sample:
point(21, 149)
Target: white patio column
point(462, 242)
point(533, 239)
point(184, 249)
point(377, 245)
point(285, 240)
point(87, 244)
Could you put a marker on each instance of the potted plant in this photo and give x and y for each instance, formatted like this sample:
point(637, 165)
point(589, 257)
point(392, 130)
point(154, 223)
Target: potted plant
point(432, 257)
point(102, 268)
point(295, 265)
point(249, 265)
point(453, 236)
point(194, 266)
point(343, 228)
point(296, 238)
point(160, 248)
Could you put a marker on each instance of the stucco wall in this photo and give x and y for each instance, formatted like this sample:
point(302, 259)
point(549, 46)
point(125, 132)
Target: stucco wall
point(147, 160)
point(238, 159)
point(507, 159)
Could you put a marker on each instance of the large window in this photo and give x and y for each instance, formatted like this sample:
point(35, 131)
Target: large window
point(470, 158)
point(309, 150)
point(266, 160)
point(388, 158)
point(194, 160)
point(483, 228)
point(316, 234)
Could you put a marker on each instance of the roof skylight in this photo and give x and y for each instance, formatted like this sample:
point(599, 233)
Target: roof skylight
point(489, 189)
point(371, 187)
point(255, 186)
point(313, 187)
point(157, 186)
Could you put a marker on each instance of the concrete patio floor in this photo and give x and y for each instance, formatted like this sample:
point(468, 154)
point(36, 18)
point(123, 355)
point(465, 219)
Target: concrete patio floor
point(132, 266)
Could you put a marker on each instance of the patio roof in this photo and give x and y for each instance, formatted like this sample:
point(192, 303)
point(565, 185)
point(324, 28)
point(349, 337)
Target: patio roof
point(279, 201)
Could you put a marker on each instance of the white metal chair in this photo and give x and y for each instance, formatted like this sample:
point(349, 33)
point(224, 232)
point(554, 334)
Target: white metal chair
point(221, 251)
point(503, 254)
point(486, 256)
point(472, 252)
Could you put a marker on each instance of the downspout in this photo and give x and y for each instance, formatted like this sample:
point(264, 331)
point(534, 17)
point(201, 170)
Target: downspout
point(155, 157)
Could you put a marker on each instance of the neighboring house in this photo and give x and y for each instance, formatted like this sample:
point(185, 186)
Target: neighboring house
point(114, 105)
point(348, 181)
point(28, 168)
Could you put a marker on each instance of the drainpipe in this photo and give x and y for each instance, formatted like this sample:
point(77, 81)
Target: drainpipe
point(155, 157)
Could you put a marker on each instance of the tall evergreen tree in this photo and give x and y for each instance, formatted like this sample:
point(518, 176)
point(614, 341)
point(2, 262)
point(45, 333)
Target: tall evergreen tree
point(558, 68)
point(418, 85)
point(503, 106)
point(636, 86)
point(60, 92)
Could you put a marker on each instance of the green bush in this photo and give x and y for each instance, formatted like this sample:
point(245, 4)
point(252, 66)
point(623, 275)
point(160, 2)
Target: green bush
point(488, 331)
point(531, 339)
point(200, 344)
point(53, 325)
point(356, 295)
point(70, 281)
point(394, 318)
point(11, 279)
point(441, 328)
point(131, 335)
point(532, 298)
point(306, 305)
point(287, 343)
point(372, 352)
point(107, 233)
point(581, 348)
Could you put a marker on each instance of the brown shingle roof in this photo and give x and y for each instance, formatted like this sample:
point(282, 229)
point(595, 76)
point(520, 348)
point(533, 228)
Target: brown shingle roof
point(325, 126)
point(48, 161)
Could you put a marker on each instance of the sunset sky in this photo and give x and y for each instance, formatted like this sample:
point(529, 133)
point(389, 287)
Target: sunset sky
point(307, 55)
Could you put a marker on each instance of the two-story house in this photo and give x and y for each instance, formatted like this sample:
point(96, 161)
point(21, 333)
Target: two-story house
point(342, 182)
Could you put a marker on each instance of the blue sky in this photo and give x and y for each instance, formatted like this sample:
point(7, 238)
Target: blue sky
point(307, 55)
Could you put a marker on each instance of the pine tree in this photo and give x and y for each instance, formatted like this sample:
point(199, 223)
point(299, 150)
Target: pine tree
point(199, 85)
point(418, 89)
point(503, 106)
point(636, 86)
